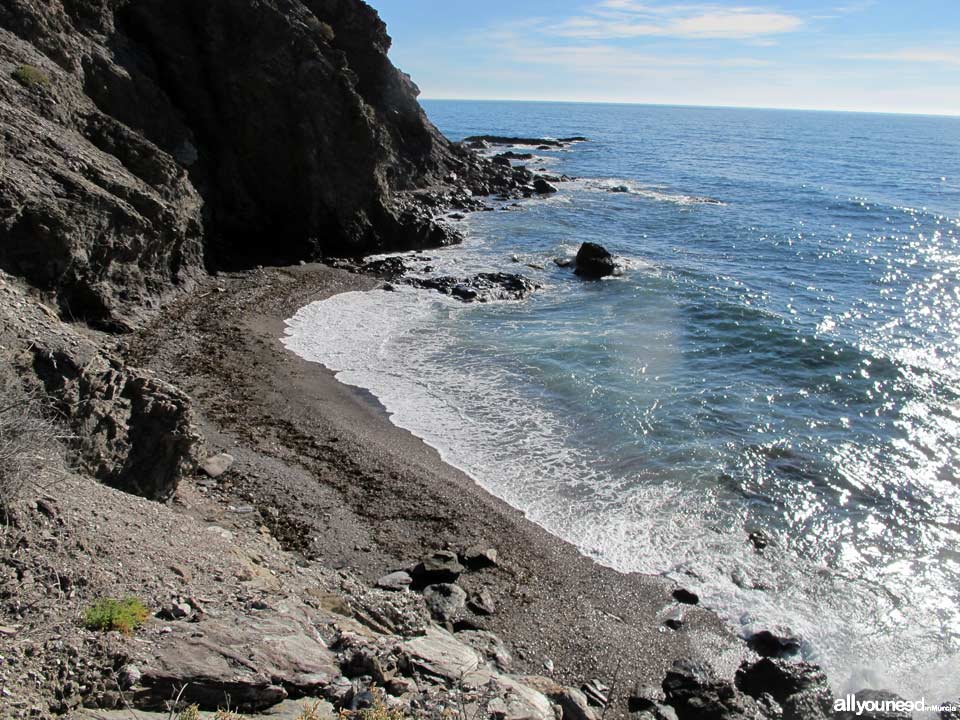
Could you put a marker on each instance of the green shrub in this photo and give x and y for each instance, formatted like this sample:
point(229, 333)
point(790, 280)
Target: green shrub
point(108, 614)
point(28, 76)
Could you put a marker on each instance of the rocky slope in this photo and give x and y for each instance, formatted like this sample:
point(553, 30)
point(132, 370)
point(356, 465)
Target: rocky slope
point(147, 144)
point(144, 142)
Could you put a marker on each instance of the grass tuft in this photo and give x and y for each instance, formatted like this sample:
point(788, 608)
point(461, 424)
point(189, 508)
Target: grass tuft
point(29, 76)
point(191, 712)
point(122, 615)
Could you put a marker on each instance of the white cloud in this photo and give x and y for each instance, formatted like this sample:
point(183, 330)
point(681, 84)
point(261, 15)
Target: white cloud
point(611, 60)
point(912, 55)
point(612, 19)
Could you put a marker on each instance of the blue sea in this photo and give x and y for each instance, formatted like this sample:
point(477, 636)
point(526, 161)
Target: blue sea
point(782, 353)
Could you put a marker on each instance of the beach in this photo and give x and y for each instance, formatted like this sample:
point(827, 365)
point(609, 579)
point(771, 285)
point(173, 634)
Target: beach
point(350, 490)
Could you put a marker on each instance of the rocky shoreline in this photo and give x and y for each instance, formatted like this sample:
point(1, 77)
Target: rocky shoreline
point(338, 556)
point(278, 546)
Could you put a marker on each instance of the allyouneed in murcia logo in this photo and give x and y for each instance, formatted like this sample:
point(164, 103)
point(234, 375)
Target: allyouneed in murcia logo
point(850, 704)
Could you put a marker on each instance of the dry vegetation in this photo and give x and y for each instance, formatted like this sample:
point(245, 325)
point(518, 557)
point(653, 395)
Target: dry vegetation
point(30, 451)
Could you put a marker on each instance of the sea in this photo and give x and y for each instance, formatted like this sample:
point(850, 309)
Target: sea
point(780, 355)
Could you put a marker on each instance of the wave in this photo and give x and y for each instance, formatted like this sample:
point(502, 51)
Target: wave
point(649, 192)
point(485, 415)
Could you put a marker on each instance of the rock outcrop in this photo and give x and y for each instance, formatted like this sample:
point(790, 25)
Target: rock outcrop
point(146, 142)
point(124, 426)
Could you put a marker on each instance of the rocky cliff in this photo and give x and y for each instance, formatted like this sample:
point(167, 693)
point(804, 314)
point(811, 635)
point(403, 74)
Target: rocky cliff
point(147, 141)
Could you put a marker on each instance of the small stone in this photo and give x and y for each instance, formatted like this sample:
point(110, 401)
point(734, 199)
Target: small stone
point(396, 581)
point(596, 693)
point(128, 676)
point(400, 686)
point(438, 567)
point(575, 704)
point(217, 465)
point(180, 572)
point(445, 600)
point(482, 603)
point(644, 699)
point(497, 709)
point(477, 557)
point(681, 595)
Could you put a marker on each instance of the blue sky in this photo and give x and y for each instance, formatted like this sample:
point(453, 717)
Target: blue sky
point(873, 55)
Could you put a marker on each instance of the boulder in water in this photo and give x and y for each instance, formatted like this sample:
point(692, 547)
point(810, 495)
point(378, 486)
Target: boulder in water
point(594, 261)
point(544, 187)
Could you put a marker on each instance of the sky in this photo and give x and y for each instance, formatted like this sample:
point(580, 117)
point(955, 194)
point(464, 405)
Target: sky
point(898, 56)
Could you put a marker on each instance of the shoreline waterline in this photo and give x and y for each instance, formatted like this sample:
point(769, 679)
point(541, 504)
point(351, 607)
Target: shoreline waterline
point(400, 415)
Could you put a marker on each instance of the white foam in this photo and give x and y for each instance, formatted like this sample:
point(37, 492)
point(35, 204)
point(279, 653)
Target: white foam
point(649, 192)
point(403, 347)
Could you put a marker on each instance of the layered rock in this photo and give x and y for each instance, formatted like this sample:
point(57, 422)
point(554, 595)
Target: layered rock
point(125, 426)
point(144, 141)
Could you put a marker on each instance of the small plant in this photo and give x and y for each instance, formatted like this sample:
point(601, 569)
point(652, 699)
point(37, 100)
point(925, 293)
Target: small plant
point(310, 712)
point(378, 711)
point(123, 615)
point(191, 712)
point(28, 76)
point(225, 715)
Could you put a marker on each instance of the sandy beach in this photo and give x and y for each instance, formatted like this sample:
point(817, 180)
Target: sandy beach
point(348, 489)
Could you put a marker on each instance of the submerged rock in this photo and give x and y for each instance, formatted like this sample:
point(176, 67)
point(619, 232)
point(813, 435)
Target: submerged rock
point(542, 186)
point(759, 539)
point(482, 287)
point(594, 261)
point(538, 142)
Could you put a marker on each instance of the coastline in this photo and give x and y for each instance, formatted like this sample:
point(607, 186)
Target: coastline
point(350, 490)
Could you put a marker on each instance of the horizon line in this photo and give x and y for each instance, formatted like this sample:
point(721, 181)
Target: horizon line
point(950, 115)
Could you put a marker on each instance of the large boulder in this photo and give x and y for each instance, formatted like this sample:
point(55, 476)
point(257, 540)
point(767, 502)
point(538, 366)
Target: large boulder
point(696, 693)
point(256, 661)
point(801, 689)
point(594, 261)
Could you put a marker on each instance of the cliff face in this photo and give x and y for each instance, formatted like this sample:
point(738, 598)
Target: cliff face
point(145, 141)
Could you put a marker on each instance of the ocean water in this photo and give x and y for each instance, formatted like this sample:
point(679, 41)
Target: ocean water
point(782, 353)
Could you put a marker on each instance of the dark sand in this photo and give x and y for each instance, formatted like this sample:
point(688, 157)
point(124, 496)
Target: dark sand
point(341, 484)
